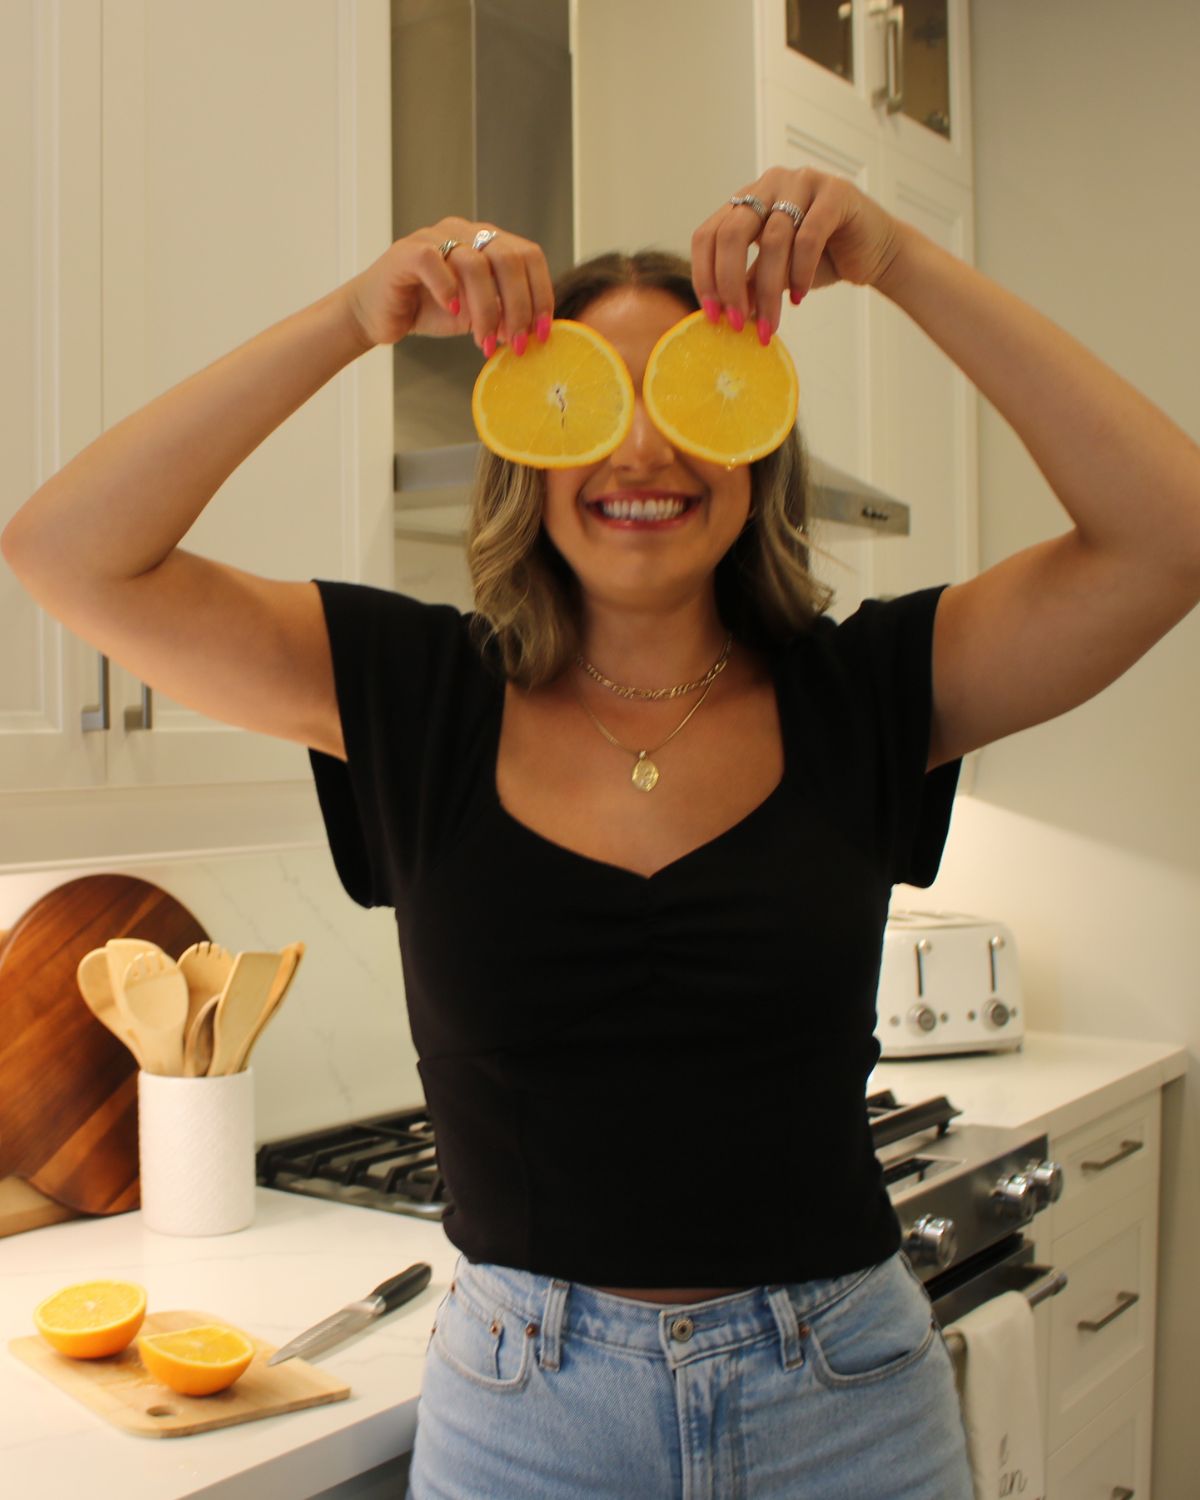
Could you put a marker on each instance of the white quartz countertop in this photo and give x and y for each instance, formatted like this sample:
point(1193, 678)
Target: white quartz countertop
point(301, 1259)
point(1053, 1084)
point(304, 1258)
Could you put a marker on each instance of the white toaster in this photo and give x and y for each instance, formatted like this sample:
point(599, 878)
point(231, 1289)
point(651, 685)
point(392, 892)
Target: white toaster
point(947, 983)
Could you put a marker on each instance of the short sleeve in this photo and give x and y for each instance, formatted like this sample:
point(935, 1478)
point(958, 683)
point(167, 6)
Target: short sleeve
point(889, 645)
point(400, 668)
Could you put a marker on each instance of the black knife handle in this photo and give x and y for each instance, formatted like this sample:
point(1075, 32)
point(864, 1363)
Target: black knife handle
point(398, 1289)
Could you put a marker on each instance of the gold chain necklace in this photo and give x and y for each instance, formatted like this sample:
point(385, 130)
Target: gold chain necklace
point(656, 693)
point(645, 773)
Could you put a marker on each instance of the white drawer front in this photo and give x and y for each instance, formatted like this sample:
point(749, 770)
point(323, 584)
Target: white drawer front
point(1110, 1458)
point(1105, 1160)
point(1110, 1266)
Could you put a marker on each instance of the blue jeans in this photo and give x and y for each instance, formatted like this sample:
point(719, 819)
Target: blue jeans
point(541, 1389)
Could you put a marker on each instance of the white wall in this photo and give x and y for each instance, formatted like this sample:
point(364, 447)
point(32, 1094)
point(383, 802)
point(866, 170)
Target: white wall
point(1084, 834)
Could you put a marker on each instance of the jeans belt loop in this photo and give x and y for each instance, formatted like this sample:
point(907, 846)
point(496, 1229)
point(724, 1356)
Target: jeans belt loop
point(552, 1320)
point(791, 1348)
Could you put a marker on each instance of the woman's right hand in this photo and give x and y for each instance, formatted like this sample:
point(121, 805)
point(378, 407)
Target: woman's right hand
point(499, 294)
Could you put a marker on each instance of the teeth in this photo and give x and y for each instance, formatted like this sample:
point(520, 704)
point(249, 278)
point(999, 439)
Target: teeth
point(643, 510)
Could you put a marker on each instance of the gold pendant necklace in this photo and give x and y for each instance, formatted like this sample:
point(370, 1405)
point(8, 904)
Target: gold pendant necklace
point(645, 774)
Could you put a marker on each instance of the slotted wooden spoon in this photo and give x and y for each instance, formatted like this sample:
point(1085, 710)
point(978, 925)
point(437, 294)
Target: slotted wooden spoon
point(155, 996)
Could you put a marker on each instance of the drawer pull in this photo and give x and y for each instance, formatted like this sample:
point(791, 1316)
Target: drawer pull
point(1125, 1301)
point(1122, 1492)
point(1127, 1149)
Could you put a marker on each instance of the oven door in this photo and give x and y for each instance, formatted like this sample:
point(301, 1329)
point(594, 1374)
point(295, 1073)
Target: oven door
point(1006, 1267)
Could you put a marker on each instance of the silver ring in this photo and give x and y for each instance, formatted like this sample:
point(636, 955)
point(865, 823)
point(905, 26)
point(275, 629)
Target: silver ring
point(483, 239)
point(446, 246)
point(750, 201)
point(793, 210)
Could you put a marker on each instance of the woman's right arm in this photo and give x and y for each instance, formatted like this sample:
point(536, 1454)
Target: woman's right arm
point(98, 544)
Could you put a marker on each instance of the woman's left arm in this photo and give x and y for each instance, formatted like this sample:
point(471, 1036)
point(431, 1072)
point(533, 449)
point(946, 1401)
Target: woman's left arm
point(1053, 624)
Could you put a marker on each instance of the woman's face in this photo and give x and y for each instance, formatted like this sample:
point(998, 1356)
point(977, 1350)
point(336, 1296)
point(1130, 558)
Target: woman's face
point(695, 509)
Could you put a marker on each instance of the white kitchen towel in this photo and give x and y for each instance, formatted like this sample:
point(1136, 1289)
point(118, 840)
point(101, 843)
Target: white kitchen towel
point(997, 1375)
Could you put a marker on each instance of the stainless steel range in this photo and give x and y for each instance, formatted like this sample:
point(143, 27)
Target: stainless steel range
point(964, 1194)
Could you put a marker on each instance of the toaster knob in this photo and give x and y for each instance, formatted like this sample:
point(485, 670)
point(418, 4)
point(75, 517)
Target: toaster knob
point(922, 1017)
point(1016, 1196)
point(996, 1013)
point(931, 1241)
point(1047, 1179)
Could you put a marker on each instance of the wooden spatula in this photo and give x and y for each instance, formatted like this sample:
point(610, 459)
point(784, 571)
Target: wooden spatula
point(289, 962)
point(206, 967)
point(241, 1001)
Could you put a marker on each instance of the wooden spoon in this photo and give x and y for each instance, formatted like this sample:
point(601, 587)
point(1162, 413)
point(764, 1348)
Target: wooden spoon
point(241, 1001)
point(94, 986)
point(155, 996)
point(206, 967)
point(289, 962)
point(198, 1043)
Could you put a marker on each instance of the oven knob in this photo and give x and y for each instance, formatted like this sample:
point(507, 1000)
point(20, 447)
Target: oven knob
point(930, 1241)
point(1047, 1178)
point(1016, 1195)
point(922, 1017)
point(996, 1013)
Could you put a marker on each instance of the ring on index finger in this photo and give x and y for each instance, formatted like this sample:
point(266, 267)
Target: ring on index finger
point(793, 210)
point(483, 239)
point(748, 200)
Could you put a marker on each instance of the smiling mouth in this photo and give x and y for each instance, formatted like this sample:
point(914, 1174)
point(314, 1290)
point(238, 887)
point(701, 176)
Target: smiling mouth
point(649, 511)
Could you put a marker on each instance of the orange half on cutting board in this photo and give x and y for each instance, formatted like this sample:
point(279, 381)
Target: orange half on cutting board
point(720, 395)
point(91, 1319)
point(560, 405)
point(197, 1361)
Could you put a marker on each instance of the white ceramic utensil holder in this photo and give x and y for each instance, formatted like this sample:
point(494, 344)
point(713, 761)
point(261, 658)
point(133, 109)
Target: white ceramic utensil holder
point(196, 1152)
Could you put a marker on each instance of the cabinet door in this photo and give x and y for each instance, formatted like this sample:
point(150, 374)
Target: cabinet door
point(901, 71)
point(927, 410)
point(1110, 1458)
point(246, 173)
point(49, 366)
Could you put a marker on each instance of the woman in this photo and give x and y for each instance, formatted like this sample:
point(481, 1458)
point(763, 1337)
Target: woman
point(621, 996)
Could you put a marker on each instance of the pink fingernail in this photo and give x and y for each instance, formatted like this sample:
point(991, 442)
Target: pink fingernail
point(797, 297)
point(543, 328)
point(736, 321)
point(520, 340)
point(455, 306)
point(712, 309)
point(764, 332)
point(489, 346)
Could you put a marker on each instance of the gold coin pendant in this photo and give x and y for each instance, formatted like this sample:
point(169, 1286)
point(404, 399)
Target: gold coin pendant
point(645, 774)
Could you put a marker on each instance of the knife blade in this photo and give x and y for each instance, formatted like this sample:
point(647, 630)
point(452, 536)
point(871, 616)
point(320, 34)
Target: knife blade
point(387, 1296)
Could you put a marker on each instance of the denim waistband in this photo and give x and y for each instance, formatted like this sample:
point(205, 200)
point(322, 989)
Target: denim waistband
point(683, 1331)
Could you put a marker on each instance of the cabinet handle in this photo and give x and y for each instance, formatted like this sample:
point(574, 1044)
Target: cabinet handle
point(892, 94)
point(141, 717)
point(1125, 1301)
point(92, 719)
point(1127, 1149)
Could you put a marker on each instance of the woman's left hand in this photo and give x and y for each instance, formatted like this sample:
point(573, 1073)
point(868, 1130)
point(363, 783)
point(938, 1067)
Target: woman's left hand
point(844, 236)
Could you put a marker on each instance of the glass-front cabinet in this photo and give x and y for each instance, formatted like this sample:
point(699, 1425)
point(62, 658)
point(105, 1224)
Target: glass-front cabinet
point(898, 68)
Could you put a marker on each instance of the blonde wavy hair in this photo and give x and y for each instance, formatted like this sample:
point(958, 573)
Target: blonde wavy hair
point(527, 599)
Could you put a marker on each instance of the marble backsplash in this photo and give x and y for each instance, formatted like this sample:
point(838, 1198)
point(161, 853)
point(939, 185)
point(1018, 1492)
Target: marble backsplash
point(339, 1047)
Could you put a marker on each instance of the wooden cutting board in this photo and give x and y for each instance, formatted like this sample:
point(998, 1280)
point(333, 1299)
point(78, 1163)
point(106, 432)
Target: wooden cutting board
point(68, 1088)
point(121, 1391)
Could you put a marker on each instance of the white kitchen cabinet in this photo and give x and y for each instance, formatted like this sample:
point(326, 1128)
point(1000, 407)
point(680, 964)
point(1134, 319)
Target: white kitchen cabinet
point(877, 398)
point(186, 175)
point(1102, 1325)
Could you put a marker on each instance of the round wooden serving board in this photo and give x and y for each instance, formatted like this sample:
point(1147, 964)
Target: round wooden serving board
point(68, 1088)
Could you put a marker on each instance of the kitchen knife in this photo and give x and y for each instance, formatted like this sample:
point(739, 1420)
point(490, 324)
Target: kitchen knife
point(387, 1295)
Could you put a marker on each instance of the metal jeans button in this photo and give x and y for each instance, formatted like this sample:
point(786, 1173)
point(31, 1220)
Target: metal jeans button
point(682, 1329)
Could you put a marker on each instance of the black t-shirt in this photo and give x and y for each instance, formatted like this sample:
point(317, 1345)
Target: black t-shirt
point(643, 1082)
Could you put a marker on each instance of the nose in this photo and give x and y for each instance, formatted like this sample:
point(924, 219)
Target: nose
point(644, 449)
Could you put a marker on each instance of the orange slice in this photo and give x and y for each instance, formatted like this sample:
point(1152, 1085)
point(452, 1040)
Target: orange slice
point(560, 405)
point(197, 1361)
point(92, 1318)
point(719, 395)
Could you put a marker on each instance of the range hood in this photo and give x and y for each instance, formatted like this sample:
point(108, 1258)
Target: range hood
point(481, 127)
